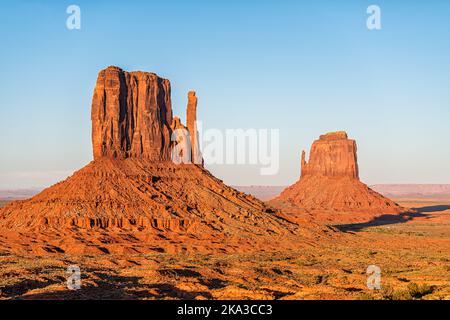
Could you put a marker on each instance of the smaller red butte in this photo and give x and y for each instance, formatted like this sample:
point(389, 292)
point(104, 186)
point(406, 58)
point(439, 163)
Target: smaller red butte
point(330, 180)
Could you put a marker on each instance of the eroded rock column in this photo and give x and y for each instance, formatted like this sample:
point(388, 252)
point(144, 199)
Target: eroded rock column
point(191, 121)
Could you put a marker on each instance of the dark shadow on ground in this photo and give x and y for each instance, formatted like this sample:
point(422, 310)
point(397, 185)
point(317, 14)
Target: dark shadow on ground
point(436, 208)
point(107, 285)
point(19, 288)
point(382, 220)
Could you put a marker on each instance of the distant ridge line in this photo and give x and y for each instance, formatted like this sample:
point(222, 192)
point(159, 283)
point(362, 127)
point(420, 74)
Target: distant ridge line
point(418, 190)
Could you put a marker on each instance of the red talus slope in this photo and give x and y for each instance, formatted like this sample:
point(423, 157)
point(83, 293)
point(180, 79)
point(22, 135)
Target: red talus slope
point(330, 180)
point(133, 196)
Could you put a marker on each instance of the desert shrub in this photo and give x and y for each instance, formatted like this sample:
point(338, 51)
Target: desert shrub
point(364, 296)
point(418, 291)
point(387, 292)
point(401, 295)
point(318, 279)
point(323, 278)
point(413, 291)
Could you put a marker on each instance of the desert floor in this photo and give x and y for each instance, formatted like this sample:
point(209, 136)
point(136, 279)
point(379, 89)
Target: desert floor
point(414, 258)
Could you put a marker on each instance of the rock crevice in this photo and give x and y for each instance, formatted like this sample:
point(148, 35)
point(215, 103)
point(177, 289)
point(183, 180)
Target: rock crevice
point(135, 189)
point(131, 115)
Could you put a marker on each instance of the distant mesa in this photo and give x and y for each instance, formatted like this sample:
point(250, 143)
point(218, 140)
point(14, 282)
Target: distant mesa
point(330, 180)
point(414, 191)
point(17, 194)
point(264, 193)
point(132, 196)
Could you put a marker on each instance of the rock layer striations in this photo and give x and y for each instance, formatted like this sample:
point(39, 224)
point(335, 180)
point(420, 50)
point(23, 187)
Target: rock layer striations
point(131, 115)
point(132, 196)
point(333, 155)
point(330, 180)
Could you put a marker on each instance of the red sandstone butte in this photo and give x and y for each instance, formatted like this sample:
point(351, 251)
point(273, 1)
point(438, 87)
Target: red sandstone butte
point(330, 180)
point(131, 115)
point(132, 197)
point(333, 155)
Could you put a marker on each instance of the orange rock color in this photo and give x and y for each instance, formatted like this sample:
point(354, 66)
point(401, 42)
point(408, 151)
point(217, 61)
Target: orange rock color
point(333, 155)
point(191, 122)
point(330, 180)
point(132, 194)
point(131, 115)
point(159, 205)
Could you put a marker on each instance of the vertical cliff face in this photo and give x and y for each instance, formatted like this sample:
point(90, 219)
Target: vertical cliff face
point(191, 121)
point(333, 155)
point(136, 189)
point(131, 115)
point(330, 180)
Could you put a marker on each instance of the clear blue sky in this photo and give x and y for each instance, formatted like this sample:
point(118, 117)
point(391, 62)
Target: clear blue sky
point(306, 67)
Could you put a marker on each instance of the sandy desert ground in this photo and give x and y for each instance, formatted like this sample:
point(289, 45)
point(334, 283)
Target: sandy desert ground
point(412, 253)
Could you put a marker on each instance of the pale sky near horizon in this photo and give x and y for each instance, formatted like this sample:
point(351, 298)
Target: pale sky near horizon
point(303, 68)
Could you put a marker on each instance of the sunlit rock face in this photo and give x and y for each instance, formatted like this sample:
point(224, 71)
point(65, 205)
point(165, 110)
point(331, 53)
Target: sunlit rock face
point(131, 115)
